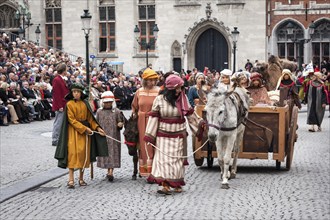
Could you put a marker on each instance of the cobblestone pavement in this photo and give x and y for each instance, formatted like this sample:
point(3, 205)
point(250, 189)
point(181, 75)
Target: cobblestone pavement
point(258, 192)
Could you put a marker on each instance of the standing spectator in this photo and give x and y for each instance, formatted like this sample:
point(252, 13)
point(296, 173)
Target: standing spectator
point(111, 119)
point(248, 66)
point(141, 105)
point(59, 91)
point(129, 94)
point(316, 99)
point(75, 149)
point(120, 95)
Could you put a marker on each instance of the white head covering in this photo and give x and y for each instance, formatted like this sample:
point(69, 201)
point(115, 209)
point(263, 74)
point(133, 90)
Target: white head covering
point(107, 97)
point(226, 72)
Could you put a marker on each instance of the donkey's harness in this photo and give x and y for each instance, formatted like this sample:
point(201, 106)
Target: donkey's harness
point(241, 118)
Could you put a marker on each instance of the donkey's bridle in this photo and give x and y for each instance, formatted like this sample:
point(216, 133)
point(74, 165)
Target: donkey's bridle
point(239, 122)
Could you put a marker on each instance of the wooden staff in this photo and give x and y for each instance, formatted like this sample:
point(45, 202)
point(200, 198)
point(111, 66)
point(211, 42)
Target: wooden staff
point(92, 171)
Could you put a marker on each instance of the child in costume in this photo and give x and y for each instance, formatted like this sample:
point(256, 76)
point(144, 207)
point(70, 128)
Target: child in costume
point(112, 120)
point(78, 146)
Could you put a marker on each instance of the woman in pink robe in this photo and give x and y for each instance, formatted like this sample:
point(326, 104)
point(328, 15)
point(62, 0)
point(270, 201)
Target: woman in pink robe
point(141, 105)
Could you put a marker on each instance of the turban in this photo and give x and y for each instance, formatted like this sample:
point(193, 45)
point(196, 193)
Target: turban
point(149, 74)
point(173, 81)
point(255, 76)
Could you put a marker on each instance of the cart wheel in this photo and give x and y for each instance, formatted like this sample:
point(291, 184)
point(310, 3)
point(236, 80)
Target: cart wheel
point(199, 162)
point(292, 137)
point(278, 164)
point(210, 162)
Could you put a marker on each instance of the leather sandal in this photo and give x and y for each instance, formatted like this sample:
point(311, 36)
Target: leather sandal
point(178, 189)
point(70, 184)
point(164, 191)
point(82, 183)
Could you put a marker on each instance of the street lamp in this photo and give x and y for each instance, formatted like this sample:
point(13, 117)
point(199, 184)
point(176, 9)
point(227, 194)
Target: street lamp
point(21, 33)
point(25, 16)
point(147, 44)
point(290, 31)
point(86, 26)
point(235, 34)
point(38, 32)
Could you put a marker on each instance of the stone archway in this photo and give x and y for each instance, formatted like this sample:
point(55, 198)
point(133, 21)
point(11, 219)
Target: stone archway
point(197, 30)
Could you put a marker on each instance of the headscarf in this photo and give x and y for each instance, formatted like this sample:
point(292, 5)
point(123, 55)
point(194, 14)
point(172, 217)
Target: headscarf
point(226, 72)
point(108, 96)
point(282, 80)
point(149, 74)
point(199, 74)
point(256, 76)
point(172, 82)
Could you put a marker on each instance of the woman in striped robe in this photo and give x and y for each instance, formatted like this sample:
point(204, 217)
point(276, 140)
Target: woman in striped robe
point(166, 129)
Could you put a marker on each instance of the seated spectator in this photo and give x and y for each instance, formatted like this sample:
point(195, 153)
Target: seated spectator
point(30, 100)
point(3, 115)
point(4, 98)
point(15, 98)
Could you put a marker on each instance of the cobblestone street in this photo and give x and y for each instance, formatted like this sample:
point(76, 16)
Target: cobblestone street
point(258, 192)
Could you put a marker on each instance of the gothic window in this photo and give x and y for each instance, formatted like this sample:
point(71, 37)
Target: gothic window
point(288, 44)
point(53, 14)
point(7, 17)
point(107, 28)
point(321, 41)
point(147, 16)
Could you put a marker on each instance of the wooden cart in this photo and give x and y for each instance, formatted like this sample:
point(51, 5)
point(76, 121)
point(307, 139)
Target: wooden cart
point(282, 121)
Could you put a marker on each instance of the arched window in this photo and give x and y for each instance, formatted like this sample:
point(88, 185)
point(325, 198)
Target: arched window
point(288, 43)
point(321, 41)
point(7, 17)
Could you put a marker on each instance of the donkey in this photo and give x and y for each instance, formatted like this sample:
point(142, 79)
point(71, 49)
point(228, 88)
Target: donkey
point(225, 114)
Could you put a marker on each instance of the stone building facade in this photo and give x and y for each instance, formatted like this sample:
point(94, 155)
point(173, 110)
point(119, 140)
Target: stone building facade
point(192, 33)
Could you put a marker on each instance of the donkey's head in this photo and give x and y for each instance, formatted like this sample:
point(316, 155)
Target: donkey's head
point(215, 111)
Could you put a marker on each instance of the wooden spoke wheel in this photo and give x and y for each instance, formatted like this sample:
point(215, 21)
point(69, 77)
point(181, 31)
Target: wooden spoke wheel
point(198, 160)
point(292, 137)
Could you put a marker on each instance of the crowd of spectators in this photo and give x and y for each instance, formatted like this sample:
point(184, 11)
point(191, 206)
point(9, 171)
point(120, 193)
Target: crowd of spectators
point(27, 71)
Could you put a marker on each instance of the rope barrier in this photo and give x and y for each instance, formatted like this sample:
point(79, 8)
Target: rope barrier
point(183, 157)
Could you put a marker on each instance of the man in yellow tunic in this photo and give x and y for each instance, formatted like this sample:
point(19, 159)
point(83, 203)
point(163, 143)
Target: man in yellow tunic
point(74, 149)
